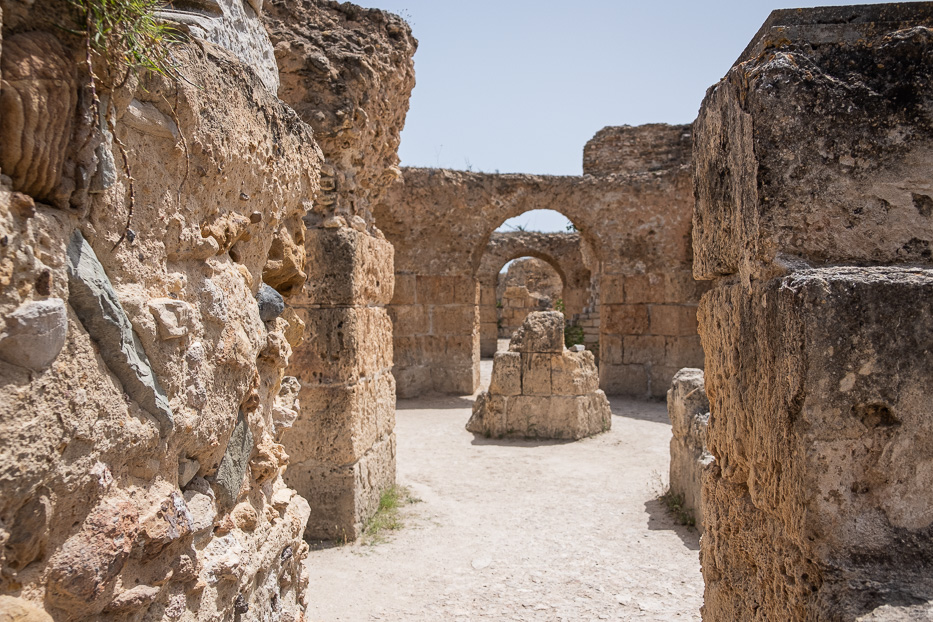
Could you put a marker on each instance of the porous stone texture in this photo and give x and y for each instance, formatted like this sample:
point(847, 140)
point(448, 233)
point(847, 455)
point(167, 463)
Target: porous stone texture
point(528, 285)
point(107, 512)
point(628, 149)
point(539, 389)
point(636, 223)
point(348, 73)
point(563, 253)
point(688, 410)
point(812, 159)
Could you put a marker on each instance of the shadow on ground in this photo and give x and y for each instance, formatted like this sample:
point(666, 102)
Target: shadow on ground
point(643, 410)
point(436, 402)
point(659, 519)
point(479, 439)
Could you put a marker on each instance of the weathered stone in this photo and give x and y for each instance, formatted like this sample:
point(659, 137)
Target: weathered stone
point(232, 470)
point(688, 410)
point(172, 316)
point(541, 332)
point(645, 148)
point(187, 469)
point(271, 304)
point(286, 407)
point(199, 499)
point(171, 521)
point(96, 304)
point(574, 372)
point(14, 609)
point(506, 374)
point(134, 599)
point(34, 334)
point(29, 532)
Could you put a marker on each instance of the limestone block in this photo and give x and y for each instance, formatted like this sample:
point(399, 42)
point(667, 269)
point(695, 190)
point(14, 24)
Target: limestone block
point(489, 415)
point(444, 290)
point(97, 306)
point(406, 287)
point(34, 333)
point(623, 379)
point(536, 374)
point(409, 319)
point(684, 350)
point(573, 373)
point(346, 267)
point(542, 332)
point(788, 127)
point(627, 149)
point(453, 319)
point(612, 289)
point(339, 423)
point(673, 320)
point(821, 433)
point(37, 107)
point(688, 410)
point(346, 495)
point(286, 405)
point(629, 319)
point(641, 349)
point(232, 469)
point(645, 288)
point(343, 344)
point(506, 374)
point(14, 609)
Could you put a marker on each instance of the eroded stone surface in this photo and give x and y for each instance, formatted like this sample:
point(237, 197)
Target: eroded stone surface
point(540, 390)
point(688, 410)
point(34, 334)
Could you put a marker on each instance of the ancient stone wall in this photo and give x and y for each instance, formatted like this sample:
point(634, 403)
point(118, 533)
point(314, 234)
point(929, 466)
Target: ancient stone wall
point(688, 410)
point(637, 225)
point(528, 284)
point(564, 252)
point(812, 215)
point(348, 73)
point(140, 469)
point(628, 149)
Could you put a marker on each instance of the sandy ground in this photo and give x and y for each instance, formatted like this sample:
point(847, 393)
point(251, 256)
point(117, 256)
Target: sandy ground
point(520, 530)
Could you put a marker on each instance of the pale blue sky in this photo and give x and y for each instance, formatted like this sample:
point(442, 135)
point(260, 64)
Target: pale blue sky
point(520, 86)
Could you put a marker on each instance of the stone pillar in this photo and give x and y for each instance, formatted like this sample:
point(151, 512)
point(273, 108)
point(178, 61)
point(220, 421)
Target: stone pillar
point(488, 320)
point(437, 338)
point(342, 446)
point(813, 216)
point(688, 410)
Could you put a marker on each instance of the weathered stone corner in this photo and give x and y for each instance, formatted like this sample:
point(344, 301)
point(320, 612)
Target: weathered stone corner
point(539, 389)
point(688, 410)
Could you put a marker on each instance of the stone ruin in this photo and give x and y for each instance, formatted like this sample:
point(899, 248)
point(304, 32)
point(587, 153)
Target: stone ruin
point(528, 285)
point(540, 389)
point(688, 409)
point(198, 367)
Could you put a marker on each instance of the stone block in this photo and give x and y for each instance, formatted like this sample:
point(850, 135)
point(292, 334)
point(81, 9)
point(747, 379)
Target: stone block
point(14, 609)
point(683, 351)
point(406, 289)
point(96, 304)
point(574, 373)
point(463, 380)
point(344, 497)
point(488, 418)
point(536, 373)
point(488, 314)
point(34, 334)
point(821, 431)
point(409, 319)
point(688, 410)
point(642, 349)
point(453, 319)
point(612, 289)
point(673, 320)
point(624, 319)
point(447, 290)
point(542, 332)
point(337, 424)
point(343, 344)
point(506, 374)
point(412, 381)
point(611, 349)
point(799, 160)
point(346, 267)
point(631, 380)
point(645, 288)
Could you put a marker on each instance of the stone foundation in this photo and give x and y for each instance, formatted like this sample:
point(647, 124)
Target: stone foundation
point(539, 389)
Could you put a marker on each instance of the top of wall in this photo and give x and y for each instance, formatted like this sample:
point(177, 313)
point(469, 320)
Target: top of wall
point(642, 148)
point(833, 23)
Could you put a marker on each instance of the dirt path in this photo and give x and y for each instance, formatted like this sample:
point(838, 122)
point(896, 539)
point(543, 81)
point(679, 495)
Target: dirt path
point(520, 530)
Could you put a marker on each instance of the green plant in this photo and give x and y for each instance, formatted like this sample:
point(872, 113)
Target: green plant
point(499, 304)
point(674, 504)
point(387, 516)
point(573, 335)
point(559, 305)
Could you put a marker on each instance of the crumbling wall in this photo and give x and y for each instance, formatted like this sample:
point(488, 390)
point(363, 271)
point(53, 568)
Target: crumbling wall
point(813, 158)
point(528, 284)
point(348, 73)
point(140, 378)
point(688, 410)
point(540, 389)
point(562, 251)
point(628, 149)
point(637, 225)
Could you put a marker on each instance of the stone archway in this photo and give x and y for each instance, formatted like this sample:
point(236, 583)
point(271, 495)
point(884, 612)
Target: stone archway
point(564, 252)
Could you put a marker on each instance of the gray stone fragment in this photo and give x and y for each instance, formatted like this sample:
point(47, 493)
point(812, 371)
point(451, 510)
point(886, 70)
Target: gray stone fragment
point(271, 304)
point(578, 348)
point(35, 333)
point(96, 304)
point(232, 468)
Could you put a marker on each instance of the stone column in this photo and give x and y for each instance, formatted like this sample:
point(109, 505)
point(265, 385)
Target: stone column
point(342, 446)
point(813, 216)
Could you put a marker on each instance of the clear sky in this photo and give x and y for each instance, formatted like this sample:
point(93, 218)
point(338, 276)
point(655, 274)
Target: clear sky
point(520, 85)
